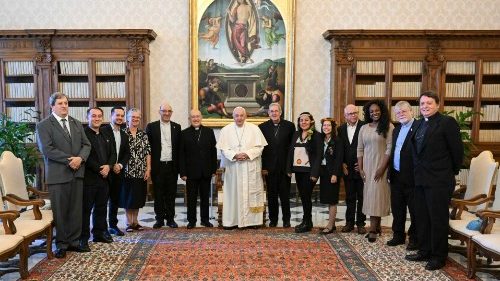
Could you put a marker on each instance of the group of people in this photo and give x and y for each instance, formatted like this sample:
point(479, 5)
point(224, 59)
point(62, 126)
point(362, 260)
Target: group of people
point(383, 168)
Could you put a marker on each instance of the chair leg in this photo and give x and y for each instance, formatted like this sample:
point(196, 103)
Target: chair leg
point(471, 259)
point(23, 260)
point(50, 255)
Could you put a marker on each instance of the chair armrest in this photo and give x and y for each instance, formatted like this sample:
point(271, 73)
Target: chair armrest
point(459, 205)
point(458, 192)
point(36, 203)
point(488, 217)
point(38, 193)
point(8, 218)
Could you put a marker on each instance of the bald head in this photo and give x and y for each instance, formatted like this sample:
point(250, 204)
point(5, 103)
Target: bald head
point(195, 118)
point(165, 112)
point(351, 114)
point(239, 116)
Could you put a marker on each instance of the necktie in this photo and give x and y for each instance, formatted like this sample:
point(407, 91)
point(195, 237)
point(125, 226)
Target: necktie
point(65, 128)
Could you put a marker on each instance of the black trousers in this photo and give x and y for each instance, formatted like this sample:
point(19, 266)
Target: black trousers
point(402, 197)
point(94, 197)
point(165, 189)
point(305, 187)
point(66, 202)
point(278, 186)
point(432, 218)
point(354, 201)
point(193, 188)
point(115, 183)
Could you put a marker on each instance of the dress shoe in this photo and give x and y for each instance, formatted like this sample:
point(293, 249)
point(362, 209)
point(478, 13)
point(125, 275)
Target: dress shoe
point(417, 257)
point(273, 224)
point(84, 246)
point(305, 226)
point(361, 230)
point(116, 231)
point(348, 228)
point(191, 225)
point(206, 224)
point(286, 224)
point(172, 224)
point(60, 253)
point(77, 249)
point(395, 242)
point(412, 246)
point(158, 224)
point(434, 265)
point(102, 238)
point(372, 236)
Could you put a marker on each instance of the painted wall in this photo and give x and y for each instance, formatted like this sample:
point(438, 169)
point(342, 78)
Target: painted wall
point(170, 20)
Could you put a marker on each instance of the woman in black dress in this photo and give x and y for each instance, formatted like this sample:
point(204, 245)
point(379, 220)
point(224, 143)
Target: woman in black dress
point(304, 158)
point(330, 171)
point(137, 171)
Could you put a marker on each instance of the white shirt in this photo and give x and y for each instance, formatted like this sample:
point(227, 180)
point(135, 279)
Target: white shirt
point(118, 139)
point(61, 123)
point(166, 142)
point(351, 130)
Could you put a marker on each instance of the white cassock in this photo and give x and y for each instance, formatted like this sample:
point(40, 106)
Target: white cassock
point(243, 191)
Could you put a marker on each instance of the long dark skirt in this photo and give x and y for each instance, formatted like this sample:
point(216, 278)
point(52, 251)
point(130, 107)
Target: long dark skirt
point(133, 193)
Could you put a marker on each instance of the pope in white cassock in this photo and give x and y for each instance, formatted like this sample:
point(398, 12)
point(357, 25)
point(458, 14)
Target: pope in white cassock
point(241, 144)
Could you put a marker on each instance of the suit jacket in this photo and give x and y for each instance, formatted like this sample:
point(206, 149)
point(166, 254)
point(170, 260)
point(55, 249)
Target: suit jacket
point(154, 137)
point(441, 155)
point(314, 149)
point(350, 157)
point(56, 147)
point(93, 164)
point(197, 156)
point(124, 151)
point(275, 153)
point(334, 155)
point(405, 157)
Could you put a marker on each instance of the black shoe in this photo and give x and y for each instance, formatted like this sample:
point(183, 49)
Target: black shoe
point(102, 238)
point(60, 253)
point(395, 242)
point(229, 227)
point(372, 236)
point(115, 231)
point(434, 265)
point(361, 229)
point(158, 224)
point(172, 224)
point(84, 246)
point(273, 224)
point(412, 246)
point(417, 257)
point(206, 224)
point(286, 224)
point(191, 225)
point(347, 228)
point(77, 249)
point(303, 227)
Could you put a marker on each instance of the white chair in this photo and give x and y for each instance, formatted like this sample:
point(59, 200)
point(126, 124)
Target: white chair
point(11, 243)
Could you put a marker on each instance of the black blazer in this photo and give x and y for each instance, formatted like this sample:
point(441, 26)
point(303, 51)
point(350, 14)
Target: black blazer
point(275, 153)
point(350, 154)
point(92, 166)
point(154, 137)
point(442, 152)
point(405, 157)
point(197, 156)
point(333, 155)
point(314, 149)
point(124, 150)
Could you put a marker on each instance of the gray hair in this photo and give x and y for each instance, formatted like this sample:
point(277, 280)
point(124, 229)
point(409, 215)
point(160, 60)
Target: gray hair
point(56, 96)
point(132, 110)
point(276, 104)
point(402, 104)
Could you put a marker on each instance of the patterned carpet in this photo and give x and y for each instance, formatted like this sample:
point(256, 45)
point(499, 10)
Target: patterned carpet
point(261, 254)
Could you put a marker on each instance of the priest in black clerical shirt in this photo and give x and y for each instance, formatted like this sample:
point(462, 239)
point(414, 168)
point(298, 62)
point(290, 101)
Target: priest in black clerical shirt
point(197, 165)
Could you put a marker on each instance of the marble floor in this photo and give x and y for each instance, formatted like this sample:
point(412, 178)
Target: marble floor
point(319, 214)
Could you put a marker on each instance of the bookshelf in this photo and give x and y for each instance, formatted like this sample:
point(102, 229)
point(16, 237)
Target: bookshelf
point(463, 67)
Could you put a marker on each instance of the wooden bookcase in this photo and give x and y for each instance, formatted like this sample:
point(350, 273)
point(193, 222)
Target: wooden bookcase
point(463, 67)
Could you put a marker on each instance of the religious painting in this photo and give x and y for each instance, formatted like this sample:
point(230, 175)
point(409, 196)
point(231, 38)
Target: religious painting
point(241, 55)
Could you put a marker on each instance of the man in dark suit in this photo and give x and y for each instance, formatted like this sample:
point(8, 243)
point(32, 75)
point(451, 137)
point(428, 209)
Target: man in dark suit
point(164, 138)
point(197, 163)
point(65, 147)
point(437, 156)
point(120, 143)
point(401, 177)
point(353, 183)
point(95, 183)
point(278, 133)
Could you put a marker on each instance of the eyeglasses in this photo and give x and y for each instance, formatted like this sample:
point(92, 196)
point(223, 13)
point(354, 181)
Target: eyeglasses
point(166, 111)
point(352, 113)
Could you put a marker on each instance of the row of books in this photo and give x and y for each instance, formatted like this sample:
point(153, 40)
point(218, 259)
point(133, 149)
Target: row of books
point(107, 113)
point(110, 67)
point(73, 67)
point(490, 91)
point(406, 89)
point(370, 67)
point(75, 90)
point(457, 109)
point(20, 90)
point(489, 135)
point(375, 90)
point(407, 67)
point(460, 90)
point(79, 113)
point(491, 112)
point(22, 113)
point(13, 68)
point(491, 67)
point(111, 90)
point(461, 67)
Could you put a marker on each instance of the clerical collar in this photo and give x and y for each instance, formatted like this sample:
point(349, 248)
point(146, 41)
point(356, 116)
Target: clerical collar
point(196, 128)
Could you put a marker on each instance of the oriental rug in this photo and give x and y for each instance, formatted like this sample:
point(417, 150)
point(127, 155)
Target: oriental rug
point(250, 254)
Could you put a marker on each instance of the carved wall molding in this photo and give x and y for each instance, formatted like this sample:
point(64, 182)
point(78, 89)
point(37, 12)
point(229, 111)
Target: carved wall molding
point(435, 55)
point(137, 47)
point(343, 52)
point(44, 55)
